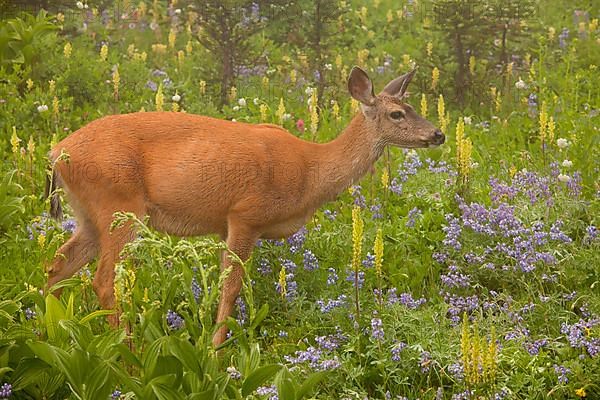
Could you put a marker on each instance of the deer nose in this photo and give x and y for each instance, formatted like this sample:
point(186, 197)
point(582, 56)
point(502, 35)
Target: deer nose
point(438, 137)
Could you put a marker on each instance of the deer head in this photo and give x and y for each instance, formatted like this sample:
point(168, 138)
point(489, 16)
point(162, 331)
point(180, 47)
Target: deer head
point(388, 117)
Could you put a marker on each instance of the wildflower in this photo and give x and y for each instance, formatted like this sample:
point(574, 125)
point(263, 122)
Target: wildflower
point(564, 178)
point(116, 81)
point(472, 65)
point(29, 84)
point(435, 77)
point(520, 84)
point(242, 102)
point(424, 105)
point(234, 373)
point(580, 392)
point(67, 50)
point(376, 328)
point(280, 111)
point(467, 120)
point(104, 52)
point(413, 214)
point(29, 314)
point(425, 361)
point(562, 373)
point(15, 140)
point(311, 262)
point(202, 86)
point(159, 98)
point(5, 391)
point(79, 5)
point(567, 163)
point(172, 37)
point(42, 108)
point(174, 320)
point(176, 97)
point(335, 110)
point(442, 114)
point(314, 115)
point(562, 143)
point(429, 49)
point(115, 395)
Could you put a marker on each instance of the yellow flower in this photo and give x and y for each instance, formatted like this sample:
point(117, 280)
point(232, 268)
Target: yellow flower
point(41, 240)
point(580, 392)
point(202, 85)
point(338, 61)
point(31, 146)
point(51, 86)
point(293, 76)
point(174, 107)
point(354, 106)
point(593, 25)
point(180, 57)
point(265, 82)
point(55, 106)
point(362, 57)
point(335, 111)
point(472, 65)
point(385, 178)
point(172, 37)
point(314, 114)
point(435, 77)
point(29, 84)
point(543, 123)
point(116, 78)
point(159, 48)
point(67, 50)
point(282, 282)
point(389, 16)
point(60, 17)
point(429, 49)
point(378, 251)
point(357, 237)
point(159, 99)
point(104, 52)
point(442, 113)
point(424, 105)
point(405, 59)
point(551, 33)
point(263, 112)
point(15, 140)
point(280, 111)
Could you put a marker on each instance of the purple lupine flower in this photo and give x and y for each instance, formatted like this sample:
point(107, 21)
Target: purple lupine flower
point(562, 38)
point(359, 198)
point(264, 267)
point(455, 279)
point(412, 216)
point(591, 233)
point(561, 373)
point(396, 350)
point(270, 391)
point(425, 361)
point(453, 231)
point(369, 261)
point(152, 86)
point(196, 289)
point(466, 395)
point(457, 371)
point(5, 391)
point(69, 225)
point(376, 211)
point(396, 186)
point(242, 314)
point(377, 328)
point(296, 241)
point(328, 306)
point(330, 215)
point(282, 334)
point(534, 348)
point(234, 373)
point(311, 262)
point(116, 394)
point(332, 277)
point(174, 320)
point(407, 300)
point(350, 277)
point(29, 314)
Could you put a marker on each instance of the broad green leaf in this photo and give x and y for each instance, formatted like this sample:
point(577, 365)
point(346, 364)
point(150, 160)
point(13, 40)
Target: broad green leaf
point(258, 377)
point(309, 384)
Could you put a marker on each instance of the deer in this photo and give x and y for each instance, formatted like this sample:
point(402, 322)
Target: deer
point(193, 175)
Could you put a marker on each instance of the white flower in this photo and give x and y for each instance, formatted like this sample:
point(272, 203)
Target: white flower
point(564, 178)
point(309, 90)
point(562, 143)
point(467, 120)
point(236, 108)
point(178, 11)
point(520, 84)
point(79, 5)
point(256, 101)
point(497, 42)
point(176, 98)
point(286, 116)
point(42, 108)
point(233, 120)
point(242, 102)
point(328, 67)
point(86, 6)
point(567, 163)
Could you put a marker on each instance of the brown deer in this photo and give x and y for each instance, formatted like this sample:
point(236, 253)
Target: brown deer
point(195, 175)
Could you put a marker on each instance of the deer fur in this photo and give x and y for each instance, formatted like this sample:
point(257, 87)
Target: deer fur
point(195, 175)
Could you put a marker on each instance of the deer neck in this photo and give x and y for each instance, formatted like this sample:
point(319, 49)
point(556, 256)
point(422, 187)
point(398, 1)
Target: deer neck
point(346, 159)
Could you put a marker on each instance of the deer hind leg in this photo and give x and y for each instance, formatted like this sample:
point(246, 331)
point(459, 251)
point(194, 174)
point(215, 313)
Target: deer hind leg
point(240, 241)
point(79, 250)
point(111, 244)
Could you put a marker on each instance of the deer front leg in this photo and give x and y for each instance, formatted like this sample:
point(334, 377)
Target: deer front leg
point(240, 242)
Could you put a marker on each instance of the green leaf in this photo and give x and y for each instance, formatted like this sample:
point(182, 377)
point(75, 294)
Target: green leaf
point(54, 313)
point(260, 316)
point(258, 377)
point(95, 314)
point(309, 384)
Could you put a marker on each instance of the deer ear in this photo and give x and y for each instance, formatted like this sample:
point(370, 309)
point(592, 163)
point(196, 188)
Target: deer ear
point(361, 87)
point(398, 86)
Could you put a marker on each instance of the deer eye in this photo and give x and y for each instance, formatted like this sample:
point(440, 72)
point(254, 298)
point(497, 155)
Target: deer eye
point(396, 115)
